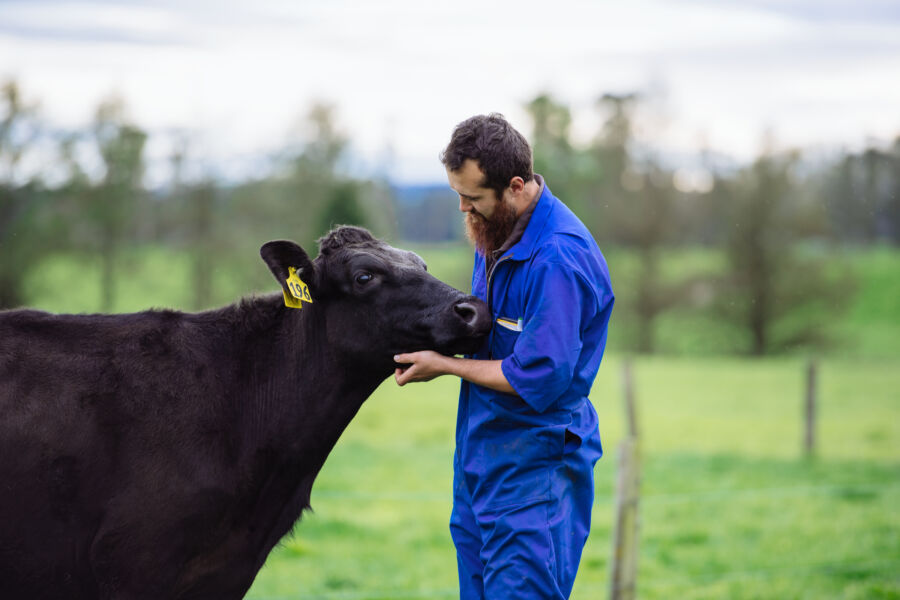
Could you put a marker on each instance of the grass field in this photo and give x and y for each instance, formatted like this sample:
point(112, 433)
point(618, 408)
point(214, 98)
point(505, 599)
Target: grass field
point(729, 508)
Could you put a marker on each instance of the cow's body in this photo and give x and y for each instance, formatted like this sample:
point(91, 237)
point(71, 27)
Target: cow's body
point(163, 455)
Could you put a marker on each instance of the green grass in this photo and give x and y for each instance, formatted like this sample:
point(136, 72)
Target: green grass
point(730, 509)
point(872, 324)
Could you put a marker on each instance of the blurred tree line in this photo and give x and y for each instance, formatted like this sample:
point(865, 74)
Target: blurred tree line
point(772, 221)
point(777, 221)
point(89, 198)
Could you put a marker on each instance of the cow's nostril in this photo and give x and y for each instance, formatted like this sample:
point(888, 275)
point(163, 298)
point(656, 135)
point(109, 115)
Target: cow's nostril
point(466, 311)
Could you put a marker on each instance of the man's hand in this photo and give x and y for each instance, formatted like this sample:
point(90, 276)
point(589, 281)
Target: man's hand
point(426, 365)
point(423, 366)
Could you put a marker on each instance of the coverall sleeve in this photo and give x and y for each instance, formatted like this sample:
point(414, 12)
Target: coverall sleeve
point(546, 353)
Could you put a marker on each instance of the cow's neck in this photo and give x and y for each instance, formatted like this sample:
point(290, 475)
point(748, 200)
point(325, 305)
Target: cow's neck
point(300, 396)
point(303, 391)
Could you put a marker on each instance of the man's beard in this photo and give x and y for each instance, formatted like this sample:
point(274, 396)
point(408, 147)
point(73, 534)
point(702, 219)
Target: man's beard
point(489, 235)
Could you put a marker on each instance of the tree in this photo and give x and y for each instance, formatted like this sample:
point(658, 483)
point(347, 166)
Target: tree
point(341, 206)
point(25, 227)
point(638, 207)
point(571, 172)
point(891, 216)
point(325, 196)
point(193, 207)
point(616, 133)
point(111, 204)
point(201, 198)
point(779, 298)
point(551, 148)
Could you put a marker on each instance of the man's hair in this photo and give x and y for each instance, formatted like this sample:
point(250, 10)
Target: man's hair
point(501, 151)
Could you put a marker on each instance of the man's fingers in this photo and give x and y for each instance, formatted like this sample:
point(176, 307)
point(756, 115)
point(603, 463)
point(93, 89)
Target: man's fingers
point(417, 366)
point(402, 376)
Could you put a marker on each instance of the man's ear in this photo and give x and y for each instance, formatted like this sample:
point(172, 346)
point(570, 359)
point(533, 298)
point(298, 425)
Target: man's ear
point(282, 254)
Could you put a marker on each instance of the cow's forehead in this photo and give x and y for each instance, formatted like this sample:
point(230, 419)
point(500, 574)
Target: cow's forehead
point(392, 257)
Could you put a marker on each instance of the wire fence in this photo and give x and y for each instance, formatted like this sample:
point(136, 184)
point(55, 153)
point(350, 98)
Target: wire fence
point(646, 498)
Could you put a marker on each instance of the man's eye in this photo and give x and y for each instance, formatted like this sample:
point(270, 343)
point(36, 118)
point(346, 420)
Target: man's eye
point(363, 278)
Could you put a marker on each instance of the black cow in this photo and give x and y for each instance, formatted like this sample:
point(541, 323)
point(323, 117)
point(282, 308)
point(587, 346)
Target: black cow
point(163, 455)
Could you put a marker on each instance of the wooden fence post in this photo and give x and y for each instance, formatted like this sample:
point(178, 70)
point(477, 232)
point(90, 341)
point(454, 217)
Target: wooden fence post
point(628, 394)
point(809, 438)
point(623, 570)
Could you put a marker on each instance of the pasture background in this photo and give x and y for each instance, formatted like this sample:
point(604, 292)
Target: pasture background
point(738, 164)
point(729, 508)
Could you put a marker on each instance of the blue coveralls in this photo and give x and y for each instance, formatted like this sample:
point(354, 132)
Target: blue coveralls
point(523, 467)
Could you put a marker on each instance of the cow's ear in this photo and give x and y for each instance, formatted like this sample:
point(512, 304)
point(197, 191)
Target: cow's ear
point(280, 255)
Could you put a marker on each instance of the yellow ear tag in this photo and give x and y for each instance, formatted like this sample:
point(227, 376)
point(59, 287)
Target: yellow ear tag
point(299, 292)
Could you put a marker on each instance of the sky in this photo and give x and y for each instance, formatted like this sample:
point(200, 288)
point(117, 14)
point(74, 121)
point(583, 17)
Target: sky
point(238, 77)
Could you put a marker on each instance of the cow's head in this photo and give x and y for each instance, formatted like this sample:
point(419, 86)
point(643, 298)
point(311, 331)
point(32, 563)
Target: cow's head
point(377, 300)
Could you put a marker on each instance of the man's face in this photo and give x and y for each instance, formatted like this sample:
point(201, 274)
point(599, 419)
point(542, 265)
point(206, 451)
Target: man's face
point(473, 198)
point(489, 220)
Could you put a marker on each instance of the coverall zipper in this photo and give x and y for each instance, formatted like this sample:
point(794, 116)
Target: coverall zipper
point(490, 302)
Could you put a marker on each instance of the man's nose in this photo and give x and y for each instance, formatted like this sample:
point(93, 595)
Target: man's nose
point(463, 205)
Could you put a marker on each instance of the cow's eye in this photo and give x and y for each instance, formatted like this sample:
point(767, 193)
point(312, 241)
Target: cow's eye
point(363, 278)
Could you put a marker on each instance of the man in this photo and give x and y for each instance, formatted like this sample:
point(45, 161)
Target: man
point(526, 435)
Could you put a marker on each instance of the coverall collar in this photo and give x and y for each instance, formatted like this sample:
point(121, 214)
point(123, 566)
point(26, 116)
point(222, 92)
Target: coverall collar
point(524, 248)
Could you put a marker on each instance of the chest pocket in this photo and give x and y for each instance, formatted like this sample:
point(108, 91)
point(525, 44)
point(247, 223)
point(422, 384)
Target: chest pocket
point(503, 340)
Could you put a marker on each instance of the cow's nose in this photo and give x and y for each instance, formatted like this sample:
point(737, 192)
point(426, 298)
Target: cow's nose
point(467, 312)
point(475, 314)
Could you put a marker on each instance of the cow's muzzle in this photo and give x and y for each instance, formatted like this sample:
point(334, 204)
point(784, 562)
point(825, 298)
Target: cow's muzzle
point(474, 315)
